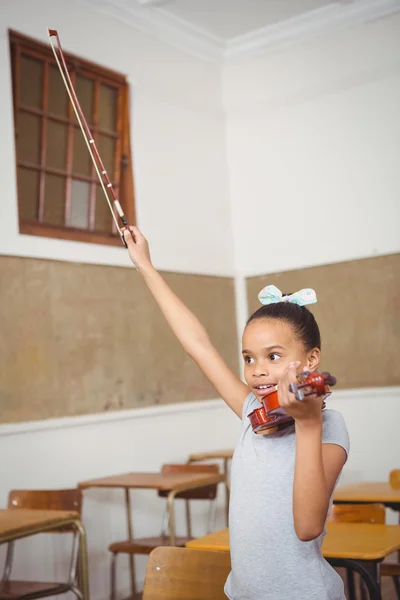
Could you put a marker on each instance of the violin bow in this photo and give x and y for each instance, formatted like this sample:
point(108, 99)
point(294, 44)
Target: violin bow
point(87, 135)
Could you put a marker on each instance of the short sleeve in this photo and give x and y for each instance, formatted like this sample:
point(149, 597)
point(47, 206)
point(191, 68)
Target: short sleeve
point(250, 404)
point(334, 430)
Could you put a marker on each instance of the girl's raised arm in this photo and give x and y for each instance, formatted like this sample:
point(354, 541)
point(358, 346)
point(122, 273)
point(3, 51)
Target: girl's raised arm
point(186, 326)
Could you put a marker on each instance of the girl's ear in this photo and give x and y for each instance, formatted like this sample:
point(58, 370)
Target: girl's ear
point(313, 359)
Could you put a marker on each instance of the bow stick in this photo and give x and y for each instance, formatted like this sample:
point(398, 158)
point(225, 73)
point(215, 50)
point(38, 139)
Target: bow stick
point(87, 135)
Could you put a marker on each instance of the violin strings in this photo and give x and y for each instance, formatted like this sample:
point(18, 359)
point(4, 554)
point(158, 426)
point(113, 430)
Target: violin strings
point(84, 133)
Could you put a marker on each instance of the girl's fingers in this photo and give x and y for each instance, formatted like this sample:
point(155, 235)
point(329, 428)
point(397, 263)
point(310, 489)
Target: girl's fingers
point(137, 232)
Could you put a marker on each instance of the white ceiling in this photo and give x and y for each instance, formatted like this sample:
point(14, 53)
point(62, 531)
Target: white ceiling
point(220, 30)
point(226, 19)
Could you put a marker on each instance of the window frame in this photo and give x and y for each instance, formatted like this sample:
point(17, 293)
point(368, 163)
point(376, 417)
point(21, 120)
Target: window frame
point(123, 184)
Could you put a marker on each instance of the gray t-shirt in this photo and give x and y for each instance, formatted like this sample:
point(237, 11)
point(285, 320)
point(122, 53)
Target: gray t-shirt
point(269, 562)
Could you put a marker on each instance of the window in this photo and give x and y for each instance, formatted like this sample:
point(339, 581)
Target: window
point(59, 194)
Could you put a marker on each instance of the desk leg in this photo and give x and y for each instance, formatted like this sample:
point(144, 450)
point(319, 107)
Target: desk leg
point(227, 493)
point(398, 551)
point(130, 535)
point(171, 517)
point(370, 574)
point(83, 561)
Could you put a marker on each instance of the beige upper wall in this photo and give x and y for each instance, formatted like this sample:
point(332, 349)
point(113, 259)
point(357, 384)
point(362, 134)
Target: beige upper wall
point(358, 312)
point(80, 339)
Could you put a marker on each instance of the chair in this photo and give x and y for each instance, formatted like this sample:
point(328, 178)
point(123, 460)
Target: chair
point(365, 513)
point(393, 569)
point(148, 544)
point(66, 500)
point(185, 574)
point(394, 478)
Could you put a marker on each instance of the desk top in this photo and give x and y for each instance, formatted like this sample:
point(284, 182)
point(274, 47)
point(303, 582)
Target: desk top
point(210, 455)
point(218, 541)
point(378, 491)
point(155, 481)
point(26, 522)
point(358, 541)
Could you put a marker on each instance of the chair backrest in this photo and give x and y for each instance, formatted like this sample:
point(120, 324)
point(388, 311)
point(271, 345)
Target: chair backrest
point(394, 478)
point(70, 500)
point(186, 574)
point(357, 513)
point(207, 492)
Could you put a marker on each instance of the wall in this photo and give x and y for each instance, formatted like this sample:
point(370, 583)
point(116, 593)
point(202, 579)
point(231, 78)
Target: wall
point(59, 453)
point(313, 142)
point(178, 143)
point(94, 340)
point(313, 147)
point(311, 131)
point(177, 139)
point(358, 314)
point(62, 452)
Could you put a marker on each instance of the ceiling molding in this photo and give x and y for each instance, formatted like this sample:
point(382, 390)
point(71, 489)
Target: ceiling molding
point(309, 25)
point(154, 20)
point(153, 2)
point(164, 26)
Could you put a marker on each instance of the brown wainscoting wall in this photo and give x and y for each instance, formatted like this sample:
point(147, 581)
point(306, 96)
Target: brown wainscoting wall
point(358, 312)
point(79, 339)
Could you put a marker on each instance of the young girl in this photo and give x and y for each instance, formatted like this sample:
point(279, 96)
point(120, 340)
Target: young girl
point(281, 484)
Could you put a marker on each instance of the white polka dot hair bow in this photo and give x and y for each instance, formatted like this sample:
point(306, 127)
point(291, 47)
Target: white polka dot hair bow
point(271, 294)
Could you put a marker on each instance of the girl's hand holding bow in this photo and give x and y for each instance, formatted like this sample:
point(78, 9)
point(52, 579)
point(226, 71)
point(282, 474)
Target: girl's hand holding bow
point(138, 248)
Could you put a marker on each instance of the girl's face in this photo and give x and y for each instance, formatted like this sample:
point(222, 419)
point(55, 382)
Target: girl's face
point(269, 346)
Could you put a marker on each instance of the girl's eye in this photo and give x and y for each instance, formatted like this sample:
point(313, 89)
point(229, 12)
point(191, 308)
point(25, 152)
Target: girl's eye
point(248, 359)
point(274, 356)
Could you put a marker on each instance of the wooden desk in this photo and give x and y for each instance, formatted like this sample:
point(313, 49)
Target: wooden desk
point(357, 546)
point(171, 482)
point(20, 523)
point(226, 456)
point(217, 542)
point(365, 492)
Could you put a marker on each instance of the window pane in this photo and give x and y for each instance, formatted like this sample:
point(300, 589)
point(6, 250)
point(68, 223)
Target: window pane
point(103, 218)
point(54, 200)
point(81, 161)
point(31, 82)
point(84, 92)
point(28, 138)
point(58, 98)
point(106, 148)
point(79, 204)
point(28, 193)
point(56, 145)
point(108, 107)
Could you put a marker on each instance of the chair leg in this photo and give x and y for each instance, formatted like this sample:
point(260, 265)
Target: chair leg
point(77, 592)
point(363, 591)
point(396, 583)
point(113, 578)
point(350, 584)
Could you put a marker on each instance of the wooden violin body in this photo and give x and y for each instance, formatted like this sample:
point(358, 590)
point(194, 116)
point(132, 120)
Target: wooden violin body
point(271, 417)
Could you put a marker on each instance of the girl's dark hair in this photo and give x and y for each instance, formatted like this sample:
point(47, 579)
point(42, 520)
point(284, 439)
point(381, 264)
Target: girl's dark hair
point(298, 317)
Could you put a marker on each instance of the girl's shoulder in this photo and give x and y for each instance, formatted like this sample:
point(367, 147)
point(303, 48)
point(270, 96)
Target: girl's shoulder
point(334, 429)
point(331, 416)
point(250, 404)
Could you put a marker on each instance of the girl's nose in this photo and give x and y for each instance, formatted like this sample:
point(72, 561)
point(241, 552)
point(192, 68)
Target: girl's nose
point(261, 371)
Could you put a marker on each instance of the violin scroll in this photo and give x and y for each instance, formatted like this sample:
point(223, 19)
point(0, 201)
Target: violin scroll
point(309, 383)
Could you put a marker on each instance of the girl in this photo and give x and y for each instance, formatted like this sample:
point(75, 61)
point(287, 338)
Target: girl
point(281, 484)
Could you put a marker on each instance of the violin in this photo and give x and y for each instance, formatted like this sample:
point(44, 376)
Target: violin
point(271, 417)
